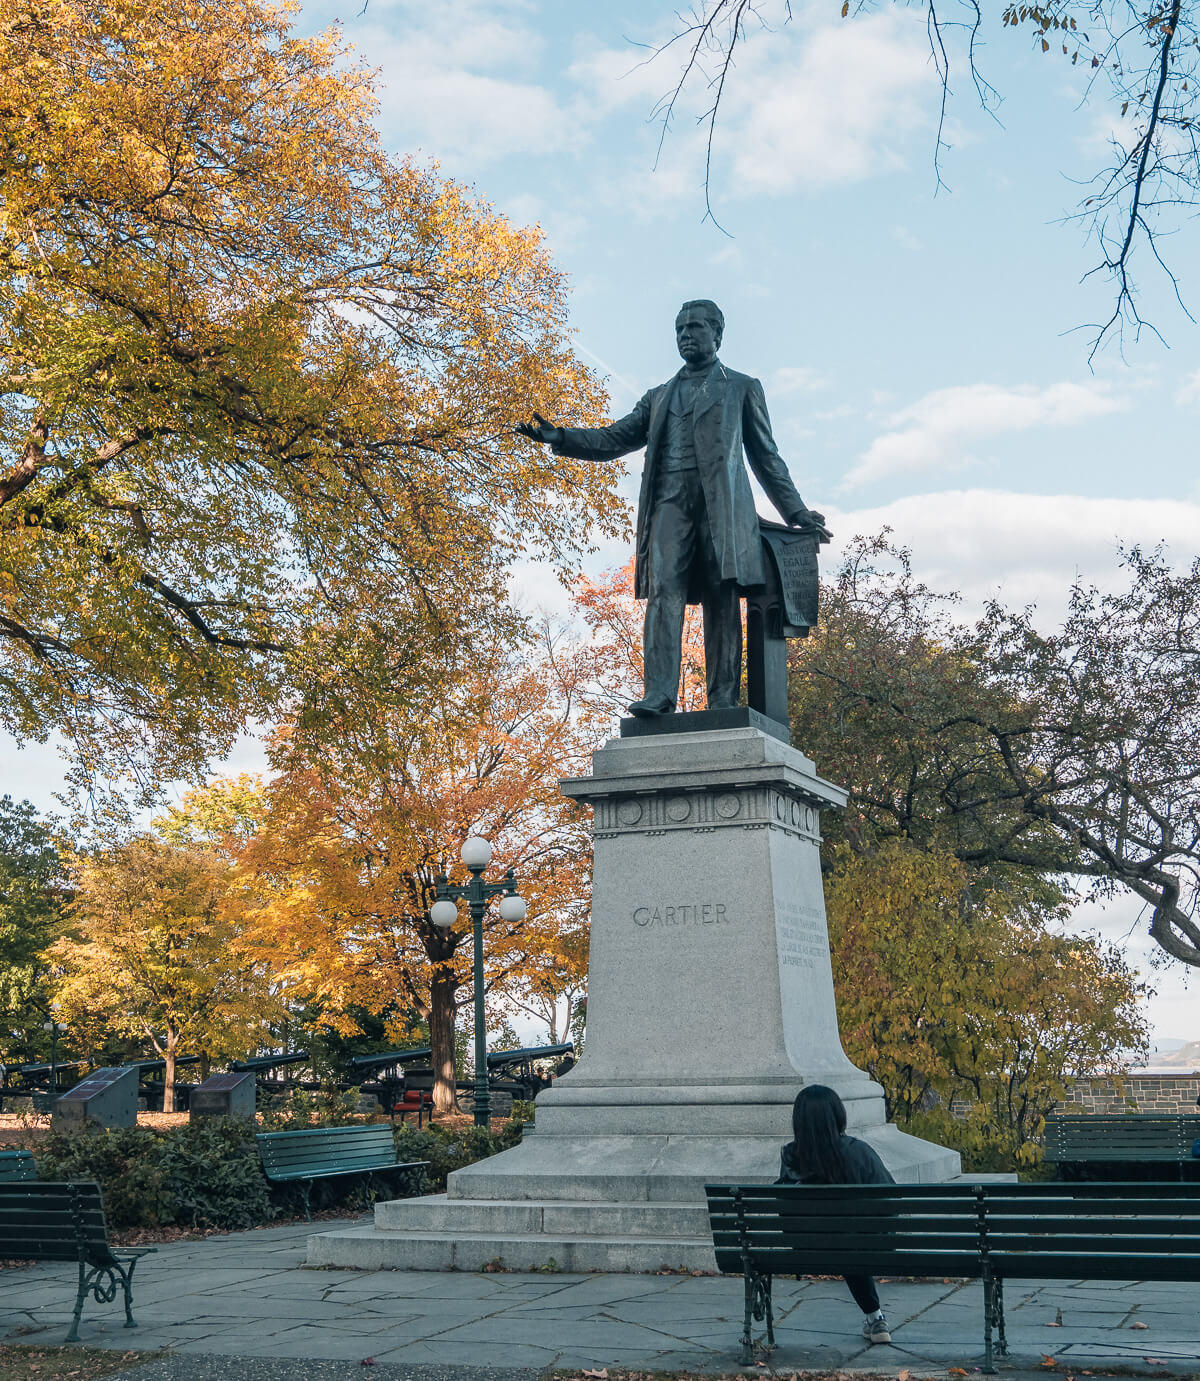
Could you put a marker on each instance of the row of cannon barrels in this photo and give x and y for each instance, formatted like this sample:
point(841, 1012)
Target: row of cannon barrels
point(110, 1096)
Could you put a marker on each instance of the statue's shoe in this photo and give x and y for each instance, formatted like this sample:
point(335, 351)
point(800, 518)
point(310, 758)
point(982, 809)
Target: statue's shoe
point(651, 709)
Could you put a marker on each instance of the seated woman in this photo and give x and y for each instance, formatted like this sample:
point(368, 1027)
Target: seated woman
point(820, 1152)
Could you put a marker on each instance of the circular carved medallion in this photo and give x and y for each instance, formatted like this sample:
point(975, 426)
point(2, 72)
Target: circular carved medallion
point(678, 808)
point(727, 805)
point(629, 812)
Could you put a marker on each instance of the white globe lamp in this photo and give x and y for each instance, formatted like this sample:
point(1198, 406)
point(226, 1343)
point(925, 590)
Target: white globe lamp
point(512, 908)
point(443, 914)
point(476, 852)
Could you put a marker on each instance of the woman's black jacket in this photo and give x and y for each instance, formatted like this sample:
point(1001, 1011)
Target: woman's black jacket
point(863, 1165)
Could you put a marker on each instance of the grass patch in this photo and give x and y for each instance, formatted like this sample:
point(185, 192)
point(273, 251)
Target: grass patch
point(66, 1363)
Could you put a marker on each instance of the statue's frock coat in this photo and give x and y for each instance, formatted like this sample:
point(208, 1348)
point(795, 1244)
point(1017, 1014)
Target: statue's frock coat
point(729, 415)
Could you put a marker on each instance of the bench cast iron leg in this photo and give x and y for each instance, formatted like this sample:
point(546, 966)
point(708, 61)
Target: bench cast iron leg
point(306, 1190)
point(127, 1283)
point(73, 1333)
point(1001, 1341)
point(102, 1282)
point(747, 1347)
point(989, 1314)
point(758, 1306)
point(770, 1311)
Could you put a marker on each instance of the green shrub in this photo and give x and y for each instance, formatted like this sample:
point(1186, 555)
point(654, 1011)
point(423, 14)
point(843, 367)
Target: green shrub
point(213, 1175)
point(204, 1175)
point(208, 1175)
point(984, 1144)
point(448, 1149)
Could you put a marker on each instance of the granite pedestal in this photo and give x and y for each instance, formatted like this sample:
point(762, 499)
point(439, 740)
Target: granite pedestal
point(710, 1002)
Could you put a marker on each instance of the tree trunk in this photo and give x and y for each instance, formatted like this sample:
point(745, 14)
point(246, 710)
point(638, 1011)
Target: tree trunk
point(441, 1037)
point(169, 1072)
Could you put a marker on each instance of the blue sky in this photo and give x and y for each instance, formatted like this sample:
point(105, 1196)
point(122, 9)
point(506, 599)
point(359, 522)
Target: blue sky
point(919, 351)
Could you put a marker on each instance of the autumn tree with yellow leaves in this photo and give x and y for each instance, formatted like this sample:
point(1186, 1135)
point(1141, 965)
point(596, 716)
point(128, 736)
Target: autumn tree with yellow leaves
point(257, 389)
point(152, 951)
point(952, 986)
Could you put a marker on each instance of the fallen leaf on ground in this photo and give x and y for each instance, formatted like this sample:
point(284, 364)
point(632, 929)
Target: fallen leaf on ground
point(904, 1375)
point(1137, 1323)
point(1156, 1361)
point(1051, 1325)
point(367, 1362)
point(601, 1375)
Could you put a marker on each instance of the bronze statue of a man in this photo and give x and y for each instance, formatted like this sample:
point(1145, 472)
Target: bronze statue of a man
point(697, 530)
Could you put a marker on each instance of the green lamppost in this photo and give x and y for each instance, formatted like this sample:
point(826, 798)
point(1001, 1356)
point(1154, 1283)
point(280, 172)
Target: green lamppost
point(55, 1028)
point(477, 854)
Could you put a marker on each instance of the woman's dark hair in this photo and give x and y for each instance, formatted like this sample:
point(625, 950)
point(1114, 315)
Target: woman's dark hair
point(818, 1121)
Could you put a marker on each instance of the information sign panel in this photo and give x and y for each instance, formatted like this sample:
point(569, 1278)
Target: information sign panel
point(107, 1097)
point(223, 1095)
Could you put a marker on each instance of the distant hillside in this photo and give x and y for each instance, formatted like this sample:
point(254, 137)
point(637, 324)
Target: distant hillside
point(1185, 1058)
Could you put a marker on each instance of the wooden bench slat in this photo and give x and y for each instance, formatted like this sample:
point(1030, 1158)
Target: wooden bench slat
point(1118, 1191)
point(1084, 1246)
point(1043, 1266)
point(30, 1225)
point(17, 1166)
point(310, 1172)
point(19, 1220)
point(1133, 1228)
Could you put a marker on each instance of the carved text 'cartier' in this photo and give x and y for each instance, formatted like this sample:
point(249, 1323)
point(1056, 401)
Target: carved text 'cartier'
point(699, 913)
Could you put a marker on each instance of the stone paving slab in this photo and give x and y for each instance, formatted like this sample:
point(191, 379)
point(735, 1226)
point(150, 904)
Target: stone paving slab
point(245, 1303)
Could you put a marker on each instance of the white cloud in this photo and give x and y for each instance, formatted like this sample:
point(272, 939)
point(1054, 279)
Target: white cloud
point(1022, 548)
point(938, 428)
point(830, 104)
point(1189, 390)
point(797, 379)
point(612, 78)
point(806, 104)
point(459, 82)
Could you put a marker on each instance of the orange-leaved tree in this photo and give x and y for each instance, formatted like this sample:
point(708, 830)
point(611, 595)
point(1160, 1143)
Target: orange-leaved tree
point(257, 388)
point(615, 618)
point(339, 879)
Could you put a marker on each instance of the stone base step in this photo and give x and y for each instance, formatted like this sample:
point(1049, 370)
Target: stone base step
point(435, 1213)
point(377, 1249)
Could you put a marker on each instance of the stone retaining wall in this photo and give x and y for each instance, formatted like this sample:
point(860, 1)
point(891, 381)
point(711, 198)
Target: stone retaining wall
point(1162, 1093)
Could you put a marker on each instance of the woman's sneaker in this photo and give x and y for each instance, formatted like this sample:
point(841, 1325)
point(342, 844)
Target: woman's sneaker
point(876, 1330)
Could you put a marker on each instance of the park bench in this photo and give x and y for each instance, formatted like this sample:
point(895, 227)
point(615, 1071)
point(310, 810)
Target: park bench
point(988, 1232)
point(319, 1153)
point(16, 1166)
point(1138, 1138)
point(44, 1221)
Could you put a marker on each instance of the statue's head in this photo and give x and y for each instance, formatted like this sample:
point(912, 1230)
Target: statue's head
point(698, 330)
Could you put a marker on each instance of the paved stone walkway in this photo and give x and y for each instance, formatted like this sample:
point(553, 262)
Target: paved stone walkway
point(241, 1308)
